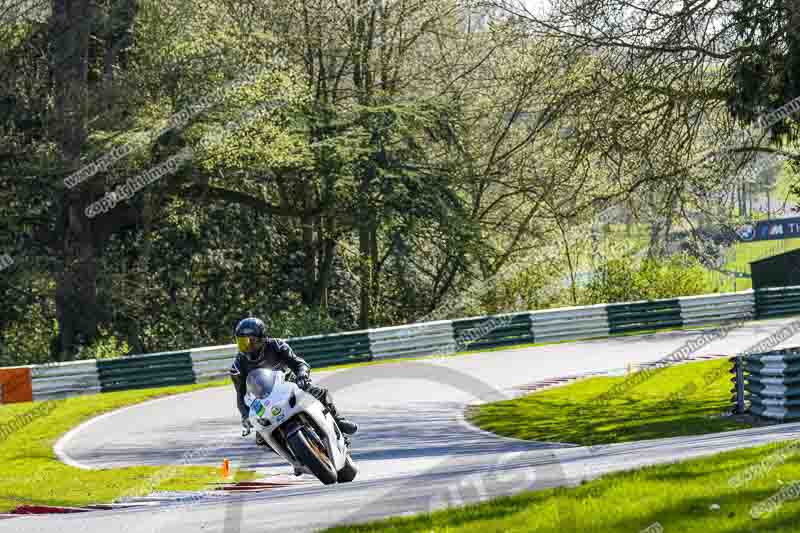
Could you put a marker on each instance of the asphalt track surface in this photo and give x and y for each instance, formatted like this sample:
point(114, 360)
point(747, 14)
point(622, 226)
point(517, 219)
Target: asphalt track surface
point(414, 450)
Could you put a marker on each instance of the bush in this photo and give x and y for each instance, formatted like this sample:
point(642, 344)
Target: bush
point(622, 280)
point(104, 347)
point(681, 275)
point(300, 321)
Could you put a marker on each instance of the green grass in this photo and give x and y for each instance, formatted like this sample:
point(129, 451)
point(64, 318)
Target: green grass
point(655, 408)
point(31, 473)
point(677, 496)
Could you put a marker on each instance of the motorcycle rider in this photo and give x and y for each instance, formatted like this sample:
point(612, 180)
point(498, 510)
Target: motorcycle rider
point(257, 350)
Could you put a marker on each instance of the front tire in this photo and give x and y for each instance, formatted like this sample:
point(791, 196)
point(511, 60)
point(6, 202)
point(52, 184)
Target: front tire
point(308, 450)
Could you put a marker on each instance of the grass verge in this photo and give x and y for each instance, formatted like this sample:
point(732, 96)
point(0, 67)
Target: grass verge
point(680, 497)
point(674, 401)
point(693, 496)
point(32, 474)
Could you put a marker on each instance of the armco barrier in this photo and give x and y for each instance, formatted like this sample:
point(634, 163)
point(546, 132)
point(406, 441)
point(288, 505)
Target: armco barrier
point(777, 302)
point(213, 362)
point(492, 331)
point(155, 370)
point(415, 340)
point(571, 323)
point(643, 316)
point(705, 309)
point(326, 350)
point(64, 379)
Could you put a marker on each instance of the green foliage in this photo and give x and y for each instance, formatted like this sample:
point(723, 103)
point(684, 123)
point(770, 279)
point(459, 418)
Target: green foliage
point(621, 280)
point(679, 275)
point(27, 341)
point(530, 288)
point(390, 180)
point(300, 321)
point(105, 346)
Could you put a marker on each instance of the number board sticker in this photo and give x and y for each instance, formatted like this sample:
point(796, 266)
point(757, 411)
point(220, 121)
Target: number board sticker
point(258, 407)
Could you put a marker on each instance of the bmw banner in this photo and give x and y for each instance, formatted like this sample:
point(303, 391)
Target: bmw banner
point(770, 230)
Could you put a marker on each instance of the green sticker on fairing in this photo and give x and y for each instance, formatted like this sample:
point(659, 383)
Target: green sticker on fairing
point(259, 408)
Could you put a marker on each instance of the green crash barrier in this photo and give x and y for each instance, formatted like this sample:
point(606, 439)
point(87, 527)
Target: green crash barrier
point(328, 350)
point(145, 371)
point(492, 331)
point(779, 302)
point(643, 316)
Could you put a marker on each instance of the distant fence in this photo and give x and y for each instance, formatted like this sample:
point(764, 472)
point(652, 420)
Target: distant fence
point(413, 340)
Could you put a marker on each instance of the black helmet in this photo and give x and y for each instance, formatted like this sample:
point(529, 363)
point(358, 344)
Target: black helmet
point(251, 333)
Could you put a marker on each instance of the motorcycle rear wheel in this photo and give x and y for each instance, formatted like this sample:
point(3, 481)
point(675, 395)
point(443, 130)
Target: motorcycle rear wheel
point(307, 448)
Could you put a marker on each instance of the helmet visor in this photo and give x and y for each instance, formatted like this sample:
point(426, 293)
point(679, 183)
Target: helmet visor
point(247, 344)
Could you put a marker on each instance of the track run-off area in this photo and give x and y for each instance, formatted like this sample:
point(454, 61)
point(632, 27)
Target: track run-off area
point(414, 449)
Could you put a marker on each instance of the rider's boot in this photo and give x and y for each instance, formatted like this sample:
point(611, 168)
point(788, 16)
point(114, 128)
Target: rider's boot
point(347, 427)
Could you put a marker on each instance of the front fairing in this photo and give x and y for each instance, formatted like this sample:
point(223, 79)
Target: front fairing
point(274, 407)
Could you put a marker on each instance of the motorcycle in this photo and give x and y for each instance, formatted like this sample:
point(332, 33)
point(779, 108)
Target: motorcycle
point(298, 427)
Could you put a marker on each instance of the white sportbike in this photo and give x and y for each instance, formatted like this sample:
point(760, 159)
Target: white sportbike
point(298, 427)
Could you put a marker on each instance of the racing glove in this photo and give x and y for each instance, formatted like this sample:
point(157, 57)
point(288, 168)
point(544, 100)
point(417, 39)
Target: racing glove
point(303, 381)
point(247, 426)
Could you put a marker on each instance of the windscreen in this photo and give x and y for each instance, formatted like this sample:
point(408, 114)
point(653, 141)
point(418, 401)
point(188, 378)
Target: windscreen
point(261, 381)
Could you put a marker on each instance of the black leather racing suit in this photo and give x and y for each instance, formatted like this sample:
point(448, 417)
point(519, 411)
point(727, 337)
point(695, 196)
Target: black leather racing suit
point(275, 355)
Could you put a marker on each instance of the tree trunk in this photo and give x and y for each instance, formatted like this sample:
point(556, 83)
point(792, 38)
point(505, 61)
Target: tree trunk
point(309, 253)
point(326, 265)
point(76, 284)
point(362, 81)
point(364, 249)
point(374, 259)
point(570, 263)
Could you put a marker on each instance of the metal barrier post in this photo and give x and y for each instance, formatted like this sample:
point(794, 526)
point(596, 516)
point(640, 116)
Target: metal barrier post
point(738, 370)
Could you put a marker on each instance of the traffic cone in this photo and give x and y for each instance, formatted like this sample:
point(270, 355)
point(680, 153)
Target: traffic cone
point(226, 468)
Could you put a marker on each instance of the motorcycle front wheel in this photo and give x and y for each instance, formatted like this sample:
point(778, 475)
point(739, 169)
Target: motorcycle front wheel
point(311, 452)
